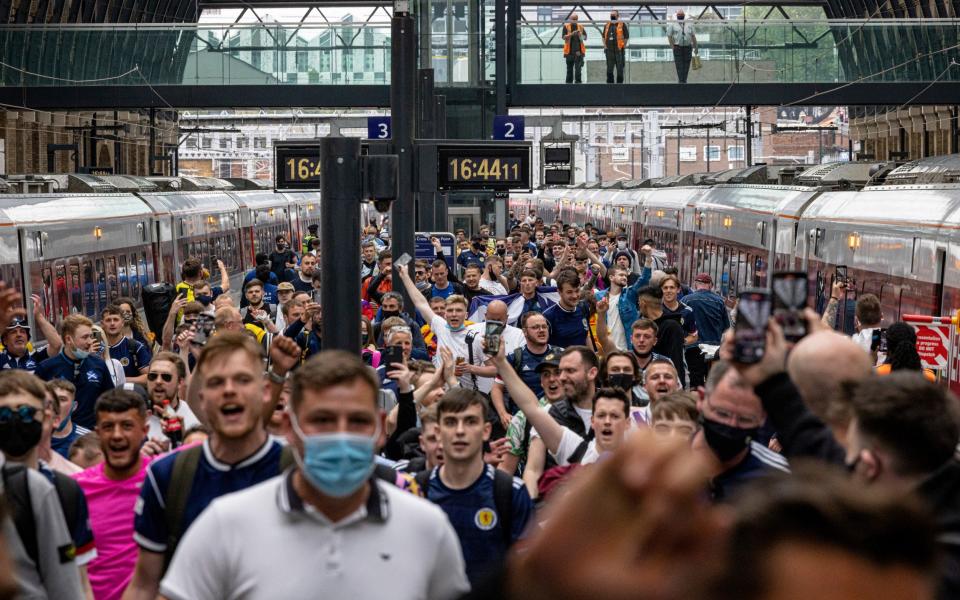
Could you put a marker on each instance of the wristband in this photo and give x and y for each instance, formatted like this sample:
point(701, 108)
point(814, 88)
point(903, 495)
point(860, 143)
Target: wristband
point(275, 377)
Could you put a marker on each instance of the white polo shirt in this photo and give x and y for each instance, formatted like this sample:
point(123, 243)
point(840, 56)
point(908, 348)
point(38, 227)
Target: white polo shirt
point(264, 543)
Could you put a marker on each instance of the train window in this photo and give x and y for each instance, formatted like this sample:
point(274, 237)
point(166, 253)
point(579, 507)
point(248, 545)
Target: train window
point(46, 281)
point(76, 299)
point(122, 275)
point(818, 241)
point(134, 276)
point(102, 298)
point(89, 290)
point(112, 289)
point(913, 255)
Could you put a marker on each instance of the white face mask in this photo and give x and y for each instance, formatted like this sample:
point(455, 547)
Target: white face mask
point(621, 244)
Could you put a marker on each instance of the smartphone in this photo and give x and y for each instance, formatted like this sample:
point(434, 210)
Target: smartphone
point(878, 340)
point(403, 261)
point(99, 338)
point(789, 299)
point(750, 328)
point(182, 294)
point(841, 275)
point(203, 329)
point(315, 295)
point(491, 334)
point(390, 355)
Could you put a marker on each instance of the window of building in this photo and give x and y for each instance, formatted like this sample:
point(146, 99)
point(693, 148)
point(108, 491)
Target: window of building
point(711, 153)
point(735, 153)
point(191, 142)
point(241, 142)
point(206, 143)
point(259, 142)
point(688, 153)
point(226, 143)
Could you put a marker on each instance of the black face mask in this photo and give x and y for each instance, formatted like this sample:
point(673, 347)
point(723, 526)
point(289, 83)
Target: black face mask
point(389, 313)
point(679, 17)
point(18, 437)
point(613, 17)
point(205, 299)
point(726, 441)
point(624, 381)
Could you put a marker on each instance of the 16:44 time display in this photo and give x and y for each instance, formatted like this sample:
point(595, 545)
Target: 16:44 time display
point(484, 169)
point(302, 168)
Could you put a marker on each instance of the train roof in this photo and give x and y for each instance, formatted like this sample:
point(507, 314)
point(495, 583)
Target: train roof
point(35, 209)
point(933, 170)
point(189, 203)
point(902, 205)
point(845, 175)
point(130, 183)
point(780, 200)
point(255, 200)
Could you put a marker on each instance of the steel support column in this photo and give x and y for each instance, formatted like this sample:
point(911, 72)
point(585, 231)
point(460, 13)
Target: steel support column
point(341, 189)
point(403, 113)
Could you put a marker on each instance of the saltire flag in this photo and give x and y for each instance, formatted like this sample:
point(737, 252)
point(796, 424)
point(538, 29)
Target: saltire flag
point(546, 296)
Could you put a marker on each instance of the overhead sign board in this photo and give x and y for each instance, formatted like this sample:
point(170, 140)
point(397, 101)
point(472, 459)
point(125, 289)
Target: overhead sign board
point(379, 128)
point(424, 250)
point(508, 128)
point(478, 165)
point(296, 166)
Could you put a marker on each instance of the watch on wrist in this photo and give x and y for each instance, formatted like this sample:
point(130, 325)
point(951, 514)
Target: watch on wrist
point(275, 377)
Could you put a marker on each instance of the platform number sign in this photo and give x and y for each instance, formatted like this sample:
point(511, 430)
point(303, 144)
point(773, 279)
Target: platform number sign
point(378, 128)
point(508, 128)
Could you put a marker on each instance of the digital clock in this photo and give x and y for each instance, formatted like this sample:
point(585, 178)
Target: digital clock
point(483, 166)
point(297, 166)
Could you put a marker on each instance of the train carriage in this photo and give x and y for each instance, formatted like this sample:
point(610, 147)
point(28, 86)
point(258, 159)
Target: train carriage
point(79, 252)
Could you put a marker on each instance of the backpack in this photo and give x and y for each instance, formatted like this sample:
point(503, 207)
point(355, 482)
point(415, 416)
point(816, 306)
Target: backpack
point(17, 494)
point(502, 499)
point(132, 351)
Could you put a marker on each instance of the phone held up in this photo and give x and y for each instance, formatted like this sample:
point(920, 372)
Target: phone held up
point(750, 328)
point(390, 355)
point(789, 299)
point(492, 334)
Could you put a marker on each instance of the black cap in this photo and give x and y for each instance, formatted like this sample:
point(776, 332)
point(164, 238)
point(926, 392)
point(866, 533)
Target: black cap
point(550, 360)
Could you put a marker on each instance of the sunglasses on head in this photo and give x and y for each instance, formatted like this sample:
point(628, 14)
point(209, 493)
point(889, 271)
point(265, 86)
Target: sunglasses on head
point(167, 377)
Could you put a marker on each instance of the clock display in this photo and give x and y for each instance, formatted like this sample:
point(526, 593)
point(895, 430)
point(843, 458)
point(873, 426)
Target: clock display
point(483, 167)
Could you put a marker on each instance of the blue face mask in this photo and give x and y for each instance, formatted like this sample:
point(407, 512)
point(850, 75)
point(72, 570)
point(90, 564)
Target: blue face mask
point(80, 354)
point(337, 464)
point(205, 299)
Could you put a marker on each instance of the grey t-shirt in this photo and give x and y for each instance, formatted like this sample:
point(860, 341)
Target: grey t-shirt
point(61, 576)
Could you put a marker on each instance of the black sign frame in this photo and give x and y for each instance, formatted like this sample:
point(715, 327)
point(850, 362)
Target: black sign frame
point(506, 154)
point(305, 172)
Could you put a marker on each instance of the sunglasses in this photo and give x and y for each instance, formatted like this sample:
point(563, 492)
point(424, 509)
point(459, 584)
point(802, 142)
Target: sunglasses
point(24, 413)
point(167, 377)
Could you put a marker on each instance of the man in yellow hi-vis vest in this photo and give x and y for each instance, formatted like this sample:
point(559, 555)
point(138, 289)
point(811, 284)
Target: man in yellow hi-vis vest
point(615, 36)
point(574, 48)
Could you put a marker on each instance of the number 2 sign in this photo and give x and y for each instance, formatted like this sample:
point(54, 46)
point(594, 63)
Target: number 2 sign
point(508, 127)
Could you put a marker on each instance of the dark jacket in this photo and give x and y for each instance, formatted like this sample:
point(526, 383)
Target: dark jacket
point(799, 432)
point(941, 492)
point(710, 313)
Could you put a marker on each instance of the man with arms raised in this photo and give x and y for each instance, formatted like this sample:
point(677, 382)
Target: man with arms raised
point(327, 526)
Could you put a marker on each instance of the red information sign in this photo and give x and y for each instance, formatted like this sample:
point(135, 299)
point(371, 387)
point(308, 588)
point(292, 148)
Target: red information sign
point(933, 345)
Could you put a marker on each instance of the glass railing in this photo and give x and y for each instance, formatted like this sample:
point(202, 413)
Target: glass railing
point(734, 51)
point(271, 54)
point(772, 51)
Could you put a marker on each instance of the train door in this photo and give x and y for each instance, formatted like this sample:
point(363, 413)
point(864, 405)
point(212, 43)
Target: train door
point(941, 270)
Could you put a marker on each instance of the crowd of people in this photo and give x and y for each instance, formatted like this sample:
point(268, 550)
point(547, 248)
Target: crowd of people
point(554, 414)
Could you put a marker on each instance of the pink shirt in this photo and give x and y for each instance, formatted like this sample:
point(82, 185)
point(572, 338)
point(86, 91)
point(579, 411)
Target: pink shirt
point(111, 518)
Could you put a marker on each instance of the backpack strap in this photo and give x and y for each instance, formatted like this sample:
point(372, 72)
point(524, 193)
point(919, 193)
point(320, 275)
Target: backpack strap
point(577, 455)
point(69, 493)
point(517, 360)
point(470, 338)
point(132, 351)
point(503, 501)
point(286, 458)
point(16, 492)
point(178, 492)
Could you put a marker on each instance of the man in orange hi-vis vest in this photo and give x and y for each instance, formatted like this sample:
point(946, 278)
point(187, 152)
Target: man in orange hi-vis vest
point(615, 36)
point(574, 48)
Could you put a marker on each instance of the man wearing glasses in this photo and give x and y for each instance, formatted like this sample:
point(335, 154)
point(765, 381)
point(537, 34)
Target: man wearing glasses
point(732, 416)
point(166, 379)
